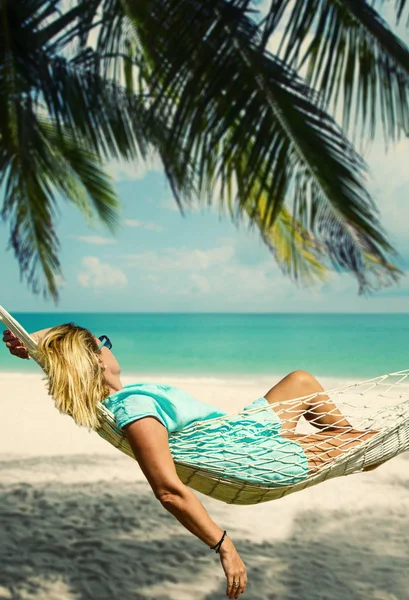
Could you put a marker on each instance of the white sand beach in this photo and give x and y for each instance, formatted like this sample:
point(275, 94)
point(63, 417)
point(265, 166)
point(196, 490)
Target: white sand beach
point(78, 520)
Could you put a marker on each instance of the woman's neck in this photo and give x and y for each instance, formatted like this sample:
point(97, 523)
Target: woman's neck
point(114, 384)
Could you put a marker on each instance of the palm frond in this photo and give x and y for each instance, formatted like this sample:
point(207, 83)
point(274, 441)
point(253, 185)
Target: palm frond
point(207, 96)
point(81, 178)
point(348, 249)
point(38, 165)
point(351, 55)
point(307, 258)
point(380, 275)
point(296, 251)
point(76, 98)
point(244, 118)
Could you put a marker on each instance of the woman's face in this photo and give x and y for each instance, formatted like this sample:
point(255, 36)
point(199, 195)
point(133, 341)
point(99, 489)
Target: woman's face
point(112, 369)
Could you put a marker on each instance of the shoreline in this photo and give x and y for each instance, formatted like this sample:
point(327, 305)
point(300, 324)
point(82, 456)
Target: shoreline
point(222, 379)
point(34, 426)
point(32, 421)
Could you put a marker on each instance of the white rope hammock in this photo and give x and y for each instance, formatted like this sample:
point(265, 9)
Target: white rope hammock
point(386, 412)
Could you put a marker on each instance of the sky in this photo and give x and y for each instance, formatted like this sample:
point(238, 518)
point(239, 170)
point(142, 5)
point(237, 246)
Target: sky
point(161, 261)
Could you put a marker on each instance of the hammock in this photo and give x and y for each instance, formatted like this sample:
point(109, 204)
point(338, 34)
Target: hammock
point(387, 413)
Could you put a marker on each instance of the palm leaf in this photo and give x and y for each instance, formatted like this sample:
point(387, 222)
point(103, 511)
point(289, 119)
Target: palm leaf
point(81, 177)
point(81, 102)
point(377, 274)
point(222, 110)
point(77, 99)
point(244, 118)
point(351, 55)
point(38, 165)
point(307, 258)
point(295, 250)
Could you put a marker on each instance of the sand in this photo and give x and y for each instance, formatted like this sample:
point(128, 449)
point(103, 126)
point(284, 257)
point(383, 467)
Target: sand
point(79, 521)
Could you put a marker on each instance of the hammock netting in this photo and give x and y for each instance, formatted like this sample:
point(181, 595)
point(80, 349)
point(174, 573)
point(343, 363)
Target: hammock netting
point(377, 409)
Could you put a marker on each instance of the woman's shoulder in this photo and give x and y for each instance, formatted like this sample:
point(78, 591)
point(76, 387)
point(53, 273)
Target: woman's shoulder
point(148, 389)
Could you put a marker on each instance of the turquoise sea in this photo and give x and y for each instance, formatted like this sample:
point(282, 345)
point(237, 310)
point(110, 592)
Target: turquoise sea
point(226, 345)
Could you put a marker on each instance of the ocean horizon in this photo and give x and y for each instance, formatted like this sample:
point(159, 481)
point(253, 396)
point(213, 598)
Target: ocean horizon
point(228, 345)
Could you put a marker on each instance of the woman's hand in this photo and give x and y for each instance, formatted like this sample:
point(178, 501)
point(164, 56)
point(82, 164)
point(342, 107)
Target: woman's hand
point(234, 569)
point(14, 345)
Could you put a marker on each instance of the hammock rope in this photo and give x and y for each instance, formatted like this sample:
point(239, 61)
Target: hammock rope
point(383, 423)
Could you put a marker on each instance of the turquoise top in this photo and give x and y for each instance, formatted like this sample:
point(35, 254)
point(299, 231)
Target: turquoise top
point(247, 448)
point(173, 407)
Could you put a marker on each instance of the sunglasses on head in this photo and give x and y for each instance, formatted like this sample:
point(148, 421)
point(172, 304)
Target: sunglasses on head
point(105, 341)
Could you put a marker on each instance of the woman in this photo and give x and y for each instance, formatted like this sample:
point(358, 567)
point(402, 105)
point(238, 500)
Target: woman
point(81, 371)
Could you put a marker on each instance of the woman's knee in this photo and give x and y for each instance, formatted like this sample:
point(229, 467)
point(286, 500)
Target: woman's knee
point(301, 378)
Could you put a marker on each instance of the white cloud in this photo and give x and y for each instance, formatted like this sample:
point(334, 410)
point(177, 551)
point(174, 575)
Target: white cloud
point(219, 280)
point(214, 277)
point(175, 259)
point(143, 225)
point(243, 283)
point(202, 283)
point(60, 281)
point(134, 170)
point(226, 285)
point(99, 275)
point(95, 240)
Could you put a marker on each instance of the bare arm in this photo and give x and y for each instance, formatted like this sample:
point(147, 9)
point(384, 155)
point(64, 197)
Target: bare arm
point(149, 442)
point(16, 347)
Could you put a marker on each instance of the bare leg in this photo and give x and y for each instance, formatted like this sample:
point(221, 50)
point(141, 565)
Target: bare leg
point(318, 410)
point(321, 449)
point(337, 434)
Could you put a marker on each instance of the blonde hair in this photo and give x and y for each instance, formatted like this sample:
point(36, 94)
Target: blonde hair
point(75, 377)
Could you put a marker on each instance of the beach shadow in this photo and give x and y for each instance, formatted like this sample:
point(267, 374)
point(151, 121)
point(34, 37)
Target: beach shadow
point(108, 540)
point(355, 558)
